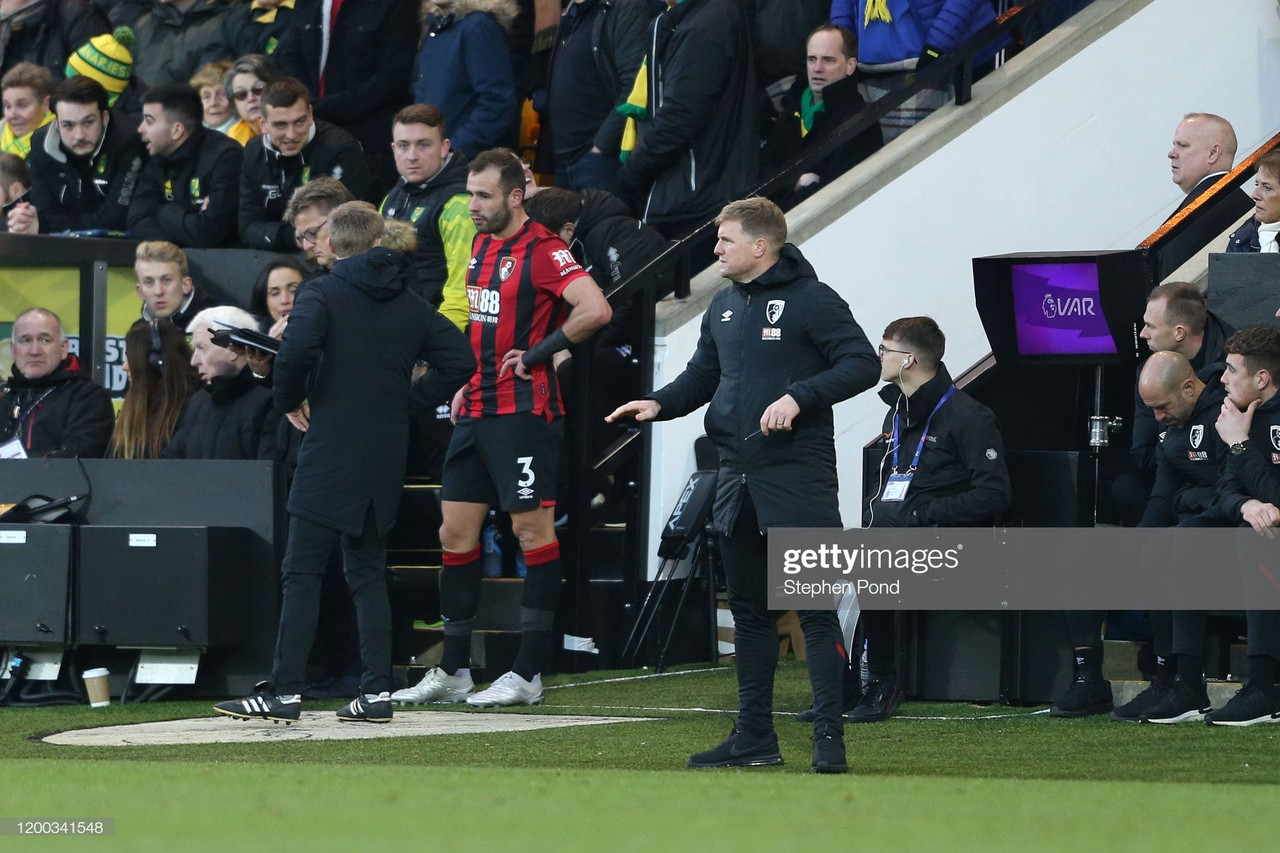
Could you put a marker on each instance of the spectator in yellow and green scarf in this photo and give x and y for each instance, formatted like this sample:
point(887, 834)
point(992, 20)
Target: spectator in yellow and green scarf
point(25, 90)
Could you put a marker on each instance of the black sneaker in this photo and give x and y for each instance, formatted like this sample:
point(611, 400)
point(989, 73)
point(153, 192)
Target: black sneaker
point(1087, 695)
point(828, 753)
point(1184, 702)
point(1132, 711)
point(1252, 705)
point(879, 701)
point(741, 750)
point(368, 709)
point(851, 700)
point(263, 704)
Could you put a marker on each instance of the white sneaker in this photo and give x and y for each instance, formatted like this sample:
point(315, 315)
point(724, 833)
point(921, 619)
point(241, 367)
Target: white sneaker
point(510, 689)
point(435, 686)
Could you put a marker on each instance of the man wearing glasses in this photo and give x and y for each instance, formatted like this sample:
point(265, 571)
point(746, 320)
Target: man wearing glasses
point(943, 467)
point(294, 149)
point(308, 215)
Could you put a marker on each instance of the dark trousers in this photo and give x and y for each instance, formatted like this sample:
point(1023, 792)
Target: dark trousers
point(755, 629)
point(364, 563)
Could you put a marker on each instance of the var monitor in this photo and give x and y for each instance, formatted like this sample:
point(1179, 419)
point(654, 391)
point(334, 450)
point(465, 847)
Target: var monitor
point(1055, 308)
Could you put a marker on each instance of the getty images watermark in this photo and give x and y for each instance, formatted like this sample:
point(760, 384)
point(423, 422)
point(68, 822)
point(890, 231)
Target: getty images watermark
point(1024, 568)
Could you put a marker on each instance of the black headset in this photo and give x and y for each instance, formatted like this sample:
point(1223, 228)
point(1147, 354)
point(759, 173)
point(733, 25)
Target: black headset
point(155, 358)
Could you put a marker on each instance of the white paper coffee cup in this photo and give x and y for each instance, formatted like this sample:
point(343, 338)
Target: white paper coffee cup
point(95, 684)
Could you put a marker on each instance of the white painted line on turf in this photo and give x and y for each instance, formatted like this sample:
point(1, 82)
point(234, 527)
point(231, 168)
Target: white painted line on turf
point(321, 725)
point(627, 678)
point(792, 713)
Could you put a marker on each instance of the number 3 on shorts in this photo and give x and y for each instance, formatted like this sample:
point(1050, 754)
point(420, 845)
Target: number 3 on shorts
point(526, 472)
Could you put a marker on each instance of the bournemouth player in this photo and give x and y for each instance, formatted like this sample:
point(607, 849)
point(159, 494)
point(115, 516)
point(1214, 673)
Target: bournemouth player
point(505, 449)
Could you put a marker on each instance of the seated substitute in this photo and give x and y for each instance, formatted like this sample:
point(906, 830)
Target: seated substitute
point(84, 165)
point(48, 406)
point(189, 193)
point(336, 383)
point(232, 416)
point(943, 467)
point(294, 149)
point(1249, 494)
point(1188, 462)
point(777, 456)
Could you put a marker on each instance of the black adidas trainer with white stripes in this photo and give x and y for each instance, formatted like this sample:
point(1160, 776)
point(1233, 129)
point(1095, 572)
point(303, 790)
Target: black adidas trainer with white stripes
point(264, 705)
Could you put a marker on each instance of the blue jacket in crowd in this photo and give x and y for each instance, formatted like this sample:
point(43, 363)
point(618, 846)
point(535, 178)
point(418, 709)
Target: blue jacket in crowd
point(464, 69)
point(939, 24)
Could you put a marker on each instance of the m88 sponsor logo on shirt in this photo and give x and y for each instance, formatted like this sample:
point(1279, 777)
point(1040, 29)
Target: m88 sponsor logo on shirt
point(486, 305)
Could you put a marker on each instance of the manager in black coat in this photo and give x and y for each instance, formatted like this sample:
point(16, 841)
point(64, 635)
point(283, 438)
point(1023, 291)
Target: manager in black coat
point(778, 349)
point(343, 375)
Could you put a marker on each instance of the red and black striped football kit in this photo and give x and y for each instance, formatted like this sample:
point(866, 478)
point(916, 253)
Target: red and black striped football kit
point(514, 289)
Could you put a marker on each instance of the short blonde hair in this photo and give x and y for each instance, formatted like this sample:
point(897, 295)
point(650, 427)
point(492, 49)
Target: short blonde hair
point(161, 252)
point(210, 74)
point(399, 235)
point(354, 228)
point(758, 217)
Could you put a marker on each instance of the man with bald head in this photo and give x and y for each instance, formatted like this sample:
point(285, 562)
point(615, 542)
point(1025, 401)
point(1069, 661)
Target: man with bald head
point(48, 407)
point(1204, 149)
point(1188, 461)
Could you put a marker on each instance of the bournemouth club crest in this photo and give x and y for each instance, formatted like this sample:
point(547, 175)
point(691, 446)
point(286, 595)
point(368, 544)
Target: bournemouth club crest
point(506, 266)
point(773, 311)
point(1197, 435)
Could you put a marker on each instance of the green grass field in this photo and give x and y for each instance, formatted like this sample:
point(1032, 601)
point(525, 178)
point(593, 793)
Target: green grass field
point(1018, 781)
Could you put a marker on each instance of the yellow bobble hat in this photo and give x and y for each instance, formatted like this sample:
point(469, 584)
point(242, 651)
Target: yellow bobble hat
point(106, 58)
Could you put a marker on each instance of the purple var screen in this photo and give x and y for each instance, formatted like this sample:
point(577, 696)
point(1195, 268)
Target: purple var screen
point(1057, 310)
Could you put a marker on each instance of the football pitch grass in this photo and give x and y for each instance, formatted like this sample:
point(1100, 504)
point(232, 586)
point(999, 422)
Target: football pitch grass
point(944, 776)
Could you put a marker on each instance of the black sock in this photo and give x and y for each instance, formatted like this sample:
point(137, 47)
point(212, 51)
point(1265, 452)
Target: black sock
point(1190, 670)
point(538, 609)
point(459, 600)
point(1088, 662)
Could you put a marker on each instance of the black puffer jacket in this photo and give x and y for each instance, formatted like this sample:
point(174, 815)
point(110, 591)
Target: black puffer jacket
point(191, 197)
point(82, 193)
point(244, 31)
point(961, 480)
point(63, 414)
point(1189, 460)
point(812, 349)
point(230, 418)
point(1146, 431)
point(699, 148)
point(1254, 474)
point(268, 178)
point(613, 245)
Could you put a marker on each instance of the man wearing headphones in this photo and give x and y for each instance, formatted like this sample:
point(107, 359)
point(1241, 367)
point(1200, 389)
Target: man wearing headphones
point(943, 467)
